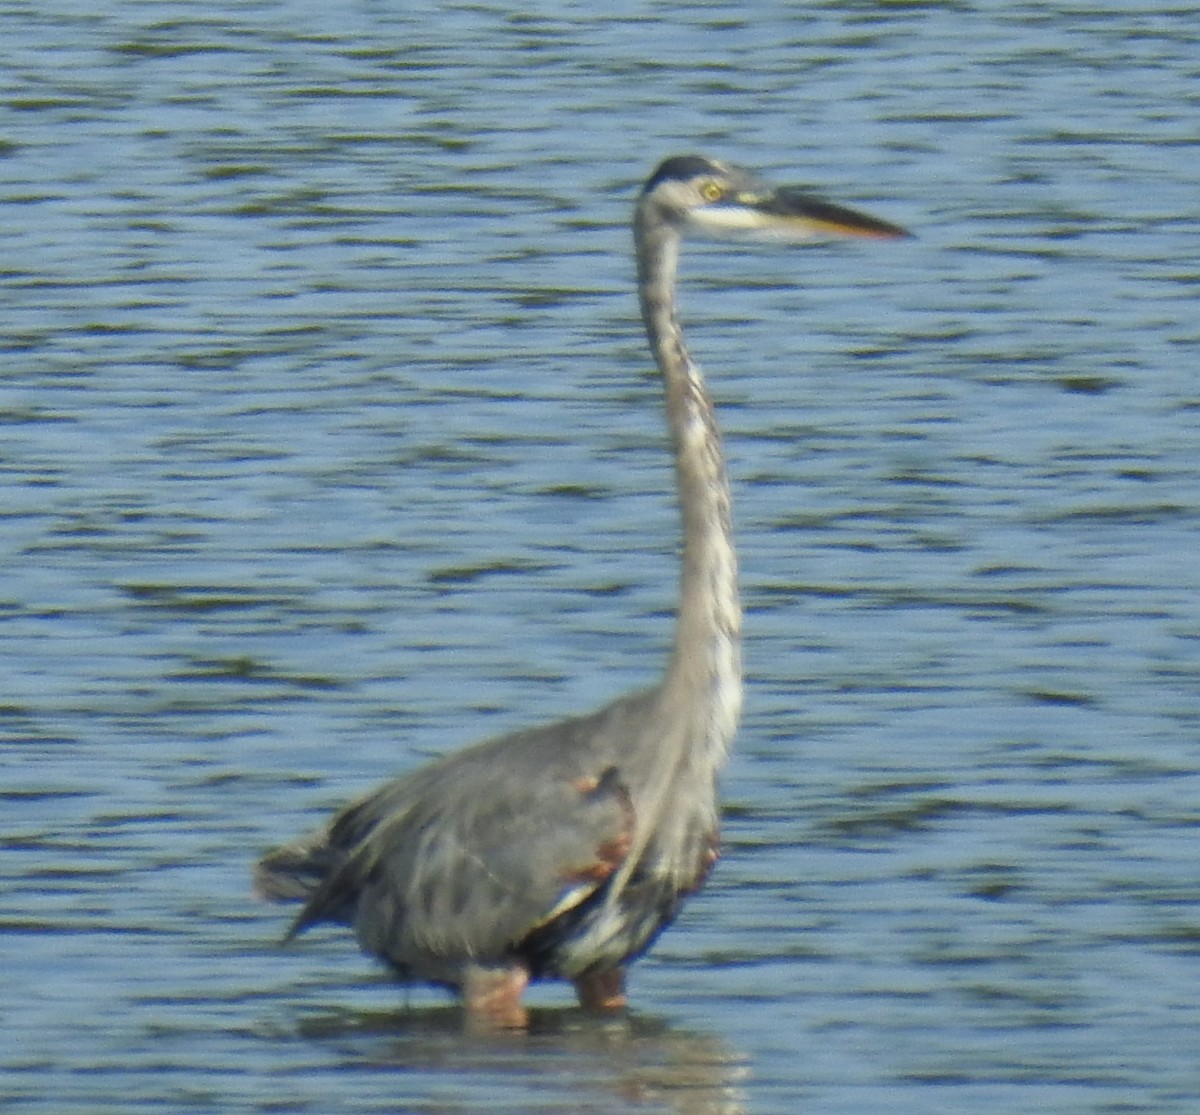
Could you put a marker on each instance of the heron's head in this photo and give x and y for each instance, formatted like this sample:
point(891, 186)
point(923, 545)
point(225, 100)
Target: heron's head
point(700, 195)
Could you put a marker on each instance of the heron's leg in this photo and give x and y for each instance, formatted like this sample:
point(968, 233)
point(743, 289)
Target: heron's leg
point(602, 991)
point(492, 997)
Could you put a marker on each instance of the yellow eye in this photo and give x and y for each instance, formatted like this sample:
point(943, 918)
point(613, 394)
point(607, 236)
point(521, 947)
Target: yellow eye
point(712, 190)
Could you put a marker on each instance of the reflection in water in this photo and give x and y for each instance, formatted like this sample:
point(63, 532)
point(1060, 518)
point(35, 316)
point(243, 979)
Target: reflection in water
point(569, 1060)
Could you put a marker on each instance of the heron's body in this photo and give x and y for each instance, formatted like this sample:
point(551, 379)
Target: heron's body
point(562, 851)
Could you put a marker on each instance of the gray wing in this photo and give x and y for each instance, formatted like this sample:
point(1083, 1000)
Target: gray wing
point(462, 860)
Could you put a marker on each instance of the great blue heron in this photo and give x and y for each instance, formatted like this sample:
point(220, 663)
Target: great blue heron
point(561, 852)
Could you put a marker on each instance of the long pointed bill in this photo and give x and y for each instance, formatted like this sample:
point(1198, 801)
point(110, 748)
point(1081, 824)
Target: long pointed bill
point(789, 215)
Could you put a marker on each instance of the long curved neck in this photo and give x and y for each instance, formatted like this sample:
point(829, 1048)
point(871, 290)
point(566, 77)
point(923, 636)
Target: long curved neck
point(704, 675)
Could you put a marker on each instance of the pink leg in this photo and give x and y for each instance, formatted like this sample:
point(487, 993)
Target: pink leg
point(602, 991)
point(492, 998)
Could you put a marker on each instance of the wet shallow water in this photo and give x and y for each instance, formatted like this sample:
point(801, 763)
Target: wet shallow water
point(330, 442)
